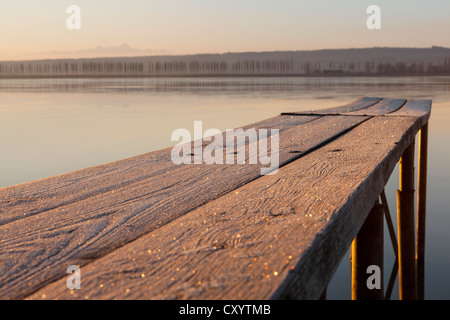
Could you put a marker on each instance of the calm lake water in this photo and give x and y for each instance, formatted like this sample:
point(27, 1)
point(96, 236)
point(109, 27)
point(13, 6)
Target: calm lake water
point(49, 127)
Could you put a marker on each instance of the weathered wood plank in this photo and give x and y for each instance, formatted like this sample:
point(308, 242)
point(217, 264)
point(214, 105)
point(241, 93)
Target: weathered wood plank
point(27, 199)
point(37, 249)
point(280, 236)
point(358, 104)
point(365, 106)
point(383, 107)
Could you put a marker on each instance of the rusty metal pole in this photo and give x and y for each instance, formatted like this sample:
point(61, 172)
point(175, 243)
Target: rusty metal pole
point(405, 225)
point(367, 251)
point(421, 211)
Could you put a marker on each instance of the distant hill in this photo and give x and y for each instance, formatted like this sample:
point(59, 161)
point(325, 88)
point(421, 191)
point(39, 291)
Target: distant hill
point(341, 62)
point(103, 52)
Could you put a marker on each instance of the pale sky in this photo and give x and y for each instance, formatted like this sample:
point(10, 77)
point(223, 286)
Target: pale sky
point(29, 29)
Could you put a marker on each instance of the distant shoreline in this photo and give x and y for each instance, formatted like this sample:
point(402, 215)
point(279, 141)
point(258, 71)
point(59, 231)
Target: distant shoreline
point(373, 62)
point(228, 76)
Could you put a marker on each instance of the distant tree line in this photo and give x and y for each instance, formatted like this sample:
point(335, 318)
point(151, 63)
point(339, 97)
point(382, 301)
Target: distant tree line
point(153, 67)
point(58, 68)
point(379, 68)
point(140, 68)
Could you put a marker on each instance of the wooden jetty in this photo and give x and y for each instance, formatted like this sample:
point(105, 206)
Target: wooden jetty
point(145, 228)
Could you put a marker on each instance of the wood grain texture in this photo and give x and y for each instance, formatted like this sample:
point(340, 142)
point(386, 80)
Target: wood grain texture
point(358, 104)
point(28, 199)
point(279, 236)
point(37, 249)
point(419, 109)
point(383, 107)
point(364, 106)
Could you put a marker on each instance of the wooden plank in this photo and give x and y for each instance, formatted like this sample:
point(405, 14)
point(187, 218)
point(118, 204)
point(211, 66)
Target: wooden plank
point(420, 109)
point(385, 106)
point(36, 250)
point(28, 199)
point(280, 236)
point(365, 106)
point(358, 104)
